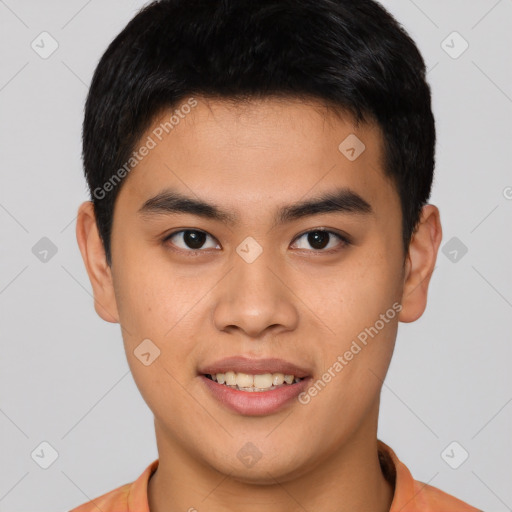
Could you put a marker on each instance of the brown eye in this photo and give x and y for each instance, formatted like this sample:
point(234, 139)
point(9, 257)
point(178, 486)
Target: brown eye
point(192, 239)
point(320, 239)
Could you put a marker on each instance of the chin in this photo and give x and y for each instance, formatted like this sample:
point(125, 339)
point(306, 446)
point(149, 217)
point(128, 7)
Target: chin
point(263, 475)
point(264, 471)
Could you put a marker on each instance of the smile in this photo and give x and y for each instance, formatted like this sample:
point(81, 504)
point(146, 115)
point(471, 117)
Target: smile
point(250, 383)
point(254, 401)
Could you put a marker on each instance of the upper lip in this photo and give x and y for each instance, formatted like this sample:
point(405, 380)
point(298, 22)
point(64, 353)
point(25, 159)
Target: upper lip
point(254, 366)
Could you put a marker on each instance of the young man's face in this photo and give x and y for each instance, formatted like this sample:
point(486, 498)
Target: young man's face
point(261, 284)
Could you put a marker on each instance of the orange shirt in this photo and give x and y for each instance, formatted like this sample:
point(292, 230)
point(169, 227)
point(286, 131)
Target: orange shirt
point(410, 495)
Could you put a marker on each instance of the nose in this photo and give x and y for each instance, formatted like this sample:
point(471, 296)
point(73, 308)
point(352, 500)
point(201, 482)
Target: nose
point(255, 298)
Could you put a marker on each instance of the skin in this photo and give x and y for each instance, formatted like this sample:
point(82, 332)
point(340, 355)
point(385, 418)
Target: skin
point(293, 302)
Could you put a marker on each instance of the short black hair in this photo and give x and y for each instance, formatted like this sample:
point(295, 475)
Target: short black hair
point(348, 54)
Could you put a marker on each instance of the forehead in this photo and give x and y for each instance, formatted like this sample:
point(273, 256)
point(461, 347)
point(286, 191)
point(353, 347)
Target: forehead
point(245, 153)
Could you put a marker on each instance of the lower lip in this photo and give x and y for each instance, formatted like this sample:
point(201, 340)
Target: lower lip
point(255, 403)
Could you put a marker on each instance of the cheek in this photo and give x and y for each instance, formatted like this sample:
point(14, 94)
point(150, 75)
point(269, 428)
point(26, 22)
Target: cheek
point(360, 294)
point(150, 298)
point(363, 304)
point(156, 304)
point(161, 310)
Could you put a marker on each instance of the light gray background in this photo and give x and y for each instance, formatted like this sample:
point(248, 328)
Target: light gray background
point(64, 376)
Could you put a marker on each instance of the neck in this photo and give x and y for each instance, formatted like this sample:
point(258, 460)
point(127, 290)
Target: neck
point(349, 478)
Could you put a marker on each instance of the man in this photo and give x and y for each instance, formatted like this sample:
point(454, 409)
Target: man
point(259, 175)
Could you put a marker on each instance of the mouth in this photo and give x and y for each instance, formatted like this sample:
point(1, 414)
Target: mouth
point(254, 387)
point(253, 383)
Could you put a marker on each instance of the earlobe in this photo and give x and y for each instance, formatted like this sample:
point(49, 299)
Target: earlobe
point(420, 263)
point(93, 255)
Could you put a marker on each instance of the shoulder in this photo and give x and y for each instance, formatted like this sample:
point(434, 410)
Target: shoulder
point(132, 497)
point(431, 498)
point(116, 499)
point(411, 495)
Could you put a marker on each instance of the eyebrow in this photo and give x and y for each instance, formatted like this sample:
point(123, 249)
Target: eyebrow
point(341, 200)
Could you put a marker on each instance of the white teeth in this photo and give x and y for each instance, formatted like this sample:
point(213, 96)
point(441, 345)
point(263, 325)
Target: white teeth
point(263, 381)
point(277, 379)
point(248, 382)
point(230, 378)
point(244, 380)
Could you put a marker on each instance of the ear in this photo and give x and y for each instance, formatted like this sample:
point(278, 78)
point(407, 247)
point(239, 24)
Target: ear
point(93, 254)
point(420, 263)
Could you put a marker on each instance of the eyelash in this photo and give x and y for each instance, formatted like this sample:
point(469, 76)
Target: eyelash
point(344, 239)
